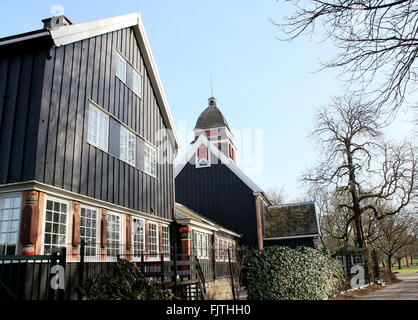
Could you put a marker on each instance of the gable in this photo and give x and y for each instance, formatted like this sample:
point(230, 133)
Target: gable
point(216, 156)
point(69, 34)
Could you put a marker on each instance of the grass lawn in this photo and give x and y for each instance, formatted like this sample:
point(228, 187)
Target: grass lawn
point(413, 269)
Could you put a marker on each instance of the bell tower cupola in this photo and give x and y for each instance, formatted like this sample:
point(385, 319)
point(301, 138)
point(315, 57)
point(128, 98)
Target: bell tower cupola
point(214, 126)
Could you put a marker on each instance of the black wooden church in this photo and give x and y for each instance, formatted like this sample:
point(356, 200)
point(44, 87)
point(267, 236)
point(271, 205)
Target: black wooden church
point(209, 181)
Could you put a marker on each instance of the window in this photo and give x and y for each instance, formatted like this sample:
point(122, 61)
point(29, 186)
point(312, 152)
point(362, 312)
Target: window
point(205, 243)
point(9, 224)
point(203, 157)
point(113, 234)
point(121, 68)
point(150, 160)
point(221, 249)
point(127, 146)
point(358, 259)
point(138, 237)
point(165, 237)
point(200, 244)
point(152, 240)
point(88, 229)
point(98, 128)
point(136, 83)
point(55, 234)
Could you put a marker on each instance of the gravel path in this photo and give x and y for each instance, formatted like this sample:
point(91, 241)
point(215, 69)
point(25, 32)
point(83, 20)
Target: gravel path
point(407, 289)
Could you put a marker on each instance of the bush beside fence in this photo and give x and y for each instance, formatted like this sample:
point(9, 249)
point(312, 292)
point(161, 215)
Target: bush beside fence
point(281, 273)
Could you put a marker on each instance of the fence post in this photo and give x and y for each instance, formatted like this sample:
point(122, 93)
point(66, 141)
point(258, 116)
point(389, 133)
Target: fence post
point(162, 268)
point(231, 273)
point(57, 274)
point(81, 267)
point(214, 263)
point(175, 269)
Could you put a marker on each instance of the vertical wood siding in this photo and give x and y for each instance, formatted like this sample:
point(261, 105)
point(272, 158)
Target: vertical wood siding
point(217, 193)
point(21, 74)
point(85, 70)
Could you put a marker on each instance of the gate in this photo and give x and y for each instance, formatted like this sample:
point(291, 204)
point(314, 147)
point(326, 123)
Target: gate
point(32, 277)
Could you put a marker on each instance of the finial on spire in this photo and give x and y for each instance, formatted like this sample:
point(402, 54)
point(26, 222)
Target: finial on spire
point(212, 101)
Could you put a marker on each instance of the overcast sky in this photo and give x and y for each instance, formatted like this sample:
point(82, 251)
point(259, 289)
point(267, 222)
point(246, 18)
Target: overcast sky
point(259, 82)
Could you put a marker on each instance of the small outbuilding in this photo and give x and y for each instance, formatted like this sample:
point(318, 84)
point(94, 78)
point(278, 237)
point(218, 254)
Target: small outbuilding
point(350, 256)
point(292, 225)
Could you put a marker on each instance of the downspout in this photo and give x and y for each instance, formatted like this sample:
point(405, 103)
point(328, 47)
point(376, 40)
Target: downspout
point(259, 222)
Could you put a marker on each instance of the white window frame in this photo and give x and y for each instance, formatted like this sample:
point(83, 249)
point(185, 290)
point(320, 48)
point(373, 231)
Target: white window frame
point(157, 231)
point(141, 82)
point(121, 235)
point(67, 222)
point(142, 221)
point(8, 196)
point(98, 123)
point(166, 254)
point(201, 244)
point(98, 220)
point(148, 160)
point(202, 165)
point(124, 145)
point(120, 58)
point(221, 247)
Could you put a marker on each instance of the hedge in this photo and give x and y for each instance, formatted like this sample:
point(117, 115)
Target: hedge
point(281, 273)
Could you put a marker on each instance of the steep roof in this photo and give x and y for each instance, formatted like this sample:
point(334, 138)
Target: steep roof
point(211, 117)
point(291, 220)
point(75, 32)
point(224, 160)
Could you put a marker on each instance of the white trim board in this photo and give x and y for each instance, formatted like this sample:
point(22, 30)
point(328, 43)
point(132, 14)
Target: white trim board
point(218, 154)
point(293, 237)
point(72, 196)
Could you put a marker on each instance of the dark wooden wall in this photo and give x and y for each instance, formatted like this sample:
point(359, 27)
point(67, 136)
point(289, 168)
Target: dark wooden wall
point(85, 70)
point(217, 193)
point(43, 123)
point(21, 76)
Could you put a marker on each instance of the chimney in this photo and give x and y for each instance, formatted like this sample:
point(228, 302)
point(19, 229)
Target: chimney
point(56, 22)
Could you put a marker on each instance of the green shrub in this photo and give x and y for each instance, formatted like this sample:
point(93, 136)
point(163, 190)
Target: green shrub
point(281, 273)
point(127, 283)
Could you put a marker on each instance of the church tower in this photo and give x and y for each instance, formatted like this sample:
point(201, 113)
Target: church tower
point(214, 126)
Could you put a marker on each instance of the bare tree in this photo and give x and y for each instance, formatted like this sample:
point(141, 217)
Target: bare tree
point(396, 233)
point(276, 195)
point(365, 172)
point(376, 39)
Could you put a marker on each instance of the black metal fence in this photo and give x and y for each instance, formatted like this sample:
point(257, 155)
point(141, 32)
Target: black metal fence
point(34, 277)
point(31, 277)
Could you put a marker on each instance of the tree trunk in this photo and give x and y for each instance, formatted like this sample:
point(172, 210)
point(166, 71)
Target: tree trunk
point(399, 263)
point(358, 226)
point(412, 260)
point(383, 263)
point(407, 261)
point(390, 262)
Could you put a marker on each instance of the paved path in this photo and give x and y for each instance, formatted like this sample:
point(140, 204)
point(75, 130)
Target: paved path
point(407, 289)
